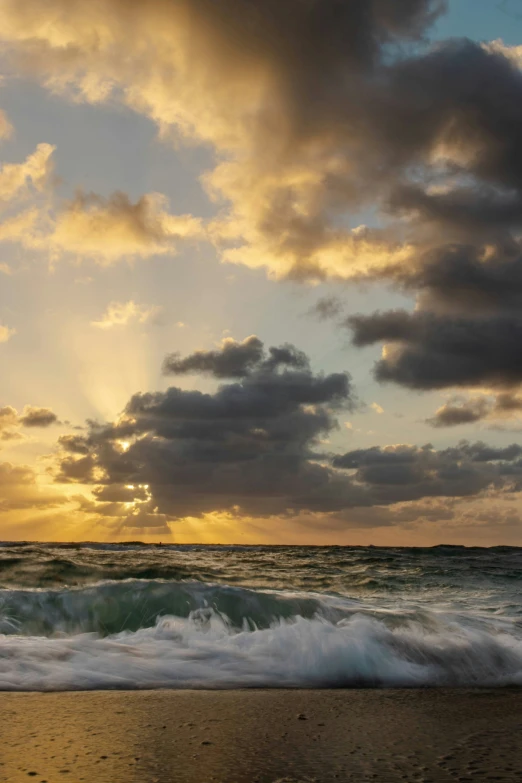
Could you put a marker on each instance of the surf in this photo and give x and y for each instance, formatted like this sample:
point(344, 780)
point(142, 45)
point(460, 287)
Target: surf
point(153, 634)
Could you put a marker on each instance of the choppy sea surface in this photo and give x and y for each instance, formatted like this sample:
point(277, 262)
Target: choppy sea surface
point(90, 616)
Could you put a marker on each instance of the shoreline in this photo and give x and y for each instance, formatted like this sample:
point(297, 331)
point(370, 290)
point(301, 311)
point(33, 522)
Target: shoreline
point(262, 736)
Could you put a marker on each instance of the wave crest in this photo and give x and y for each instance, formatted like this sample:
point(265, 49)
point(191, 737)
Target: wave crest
point(190, 635)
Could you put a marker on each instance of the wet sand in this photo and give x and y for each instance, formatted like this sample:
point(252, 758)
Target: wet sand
point(417, 736)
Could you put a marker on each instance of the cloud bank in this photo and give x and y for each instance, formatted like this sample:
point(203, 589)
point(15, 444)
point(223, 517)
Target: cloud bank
point(255, 448)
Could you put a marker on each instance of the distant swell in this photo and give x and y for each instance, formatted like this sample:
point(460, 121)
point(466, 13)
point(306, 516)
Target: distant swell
point(153, 634)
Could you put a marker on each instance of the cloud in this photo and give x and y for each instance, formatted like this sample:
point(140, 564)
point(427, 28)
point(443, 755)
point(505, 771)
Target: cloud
point(124, 313)
point(37, 417)
point(254, 448)
point(236, 359)
point(115, 228)
point(427, 135)
point(464, 278)
point(20, 489)
point(460, 410)
point(6, 333)
point(35, 171)
point(31, 417)
point(25, 190)
point(424, 350)
point(456, 412)
point(74, 444)
point(377, 408)
point(328, 307)
point(252, 444)
point(8, 417)
point(300, 140)
point(401, 473)
point(89, 226)
point(106, 230)
point(232, 360)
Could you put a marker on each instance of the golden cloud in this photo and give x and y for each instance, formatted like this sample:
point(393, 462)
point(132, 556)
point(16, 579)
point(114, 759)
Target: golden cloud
point(20, 488)
point(89, 226)
point(35, 170)
point(6, 333)
point(124, 313)
point(236, 77)
point(109, 229)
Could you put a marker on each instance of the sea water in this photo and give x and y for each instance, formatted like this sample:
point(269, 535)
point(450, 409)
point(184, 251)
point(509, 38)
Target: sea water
point(90, 616)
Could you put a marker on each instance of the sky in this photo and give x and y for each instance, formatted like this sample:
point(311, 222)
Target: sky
point(261, 271)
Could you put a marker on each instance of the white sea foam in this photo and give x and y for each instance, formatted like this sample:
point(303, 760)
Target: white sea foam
point(207, 650)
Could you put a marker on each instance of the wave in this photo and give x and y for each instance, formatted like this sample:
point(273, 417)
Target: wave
point(191, 635)
point(114, 607)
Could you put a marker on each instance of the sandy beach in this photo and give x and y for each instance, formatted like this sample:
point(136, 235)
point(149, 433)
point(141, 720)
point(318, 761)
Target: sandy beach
point(262, 736)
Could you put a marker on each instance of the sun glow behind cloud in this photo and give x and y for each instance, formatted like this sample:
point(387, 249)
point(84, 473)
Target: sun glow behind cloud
point(322, 170)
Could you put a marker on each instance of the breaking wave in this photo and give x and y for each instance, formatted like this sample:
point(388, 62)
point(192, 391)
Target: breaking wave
point(164, 634)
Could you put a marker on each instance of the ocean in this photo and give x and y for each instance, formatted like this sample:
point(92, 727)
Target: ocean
point(97, 616)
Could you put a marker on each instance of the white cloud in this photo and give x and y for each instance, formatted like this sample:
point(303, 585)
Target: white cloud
point(376, 407)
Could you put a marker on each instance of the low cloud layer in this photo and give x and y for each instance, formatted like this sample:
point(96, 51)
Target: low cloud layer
point(20, 490)
point(253, 444)
point(404, 473)
point(256, 448)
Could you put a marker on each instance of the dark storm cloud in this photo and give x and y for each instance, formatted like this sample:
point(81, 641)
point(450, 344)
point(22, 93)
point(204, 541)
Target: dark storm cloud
point(430, 351)
point(481, 452)
point(75, 444)
point(315, 108)
point(393, 325)
point(506, 403)
point(465, 278)
point(403, 473)
point(466, 329)
point(466, 99)
point(253, 443)
point(483, 212)
point(256, 447)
